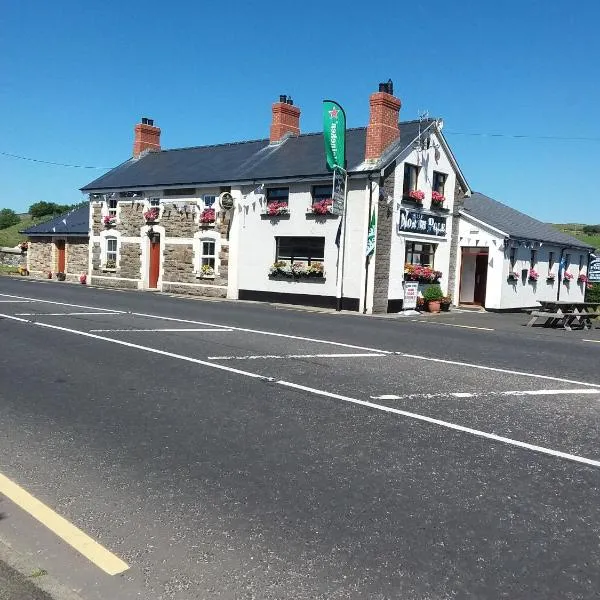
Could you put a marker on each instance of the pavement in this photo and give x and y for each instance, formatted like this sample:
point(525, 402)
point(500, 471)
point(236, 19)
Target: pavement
point(242, 450)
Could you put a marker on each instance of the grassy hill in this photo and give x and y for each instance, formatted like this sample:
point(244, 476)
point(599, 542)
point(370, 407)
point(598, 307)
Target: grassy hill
point(10, 236)
point(576, 230)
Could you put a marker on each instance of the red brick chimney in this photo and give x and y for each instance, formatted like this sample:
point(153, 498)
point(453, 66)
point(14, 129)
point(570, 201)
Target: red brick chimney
point(147, 137)
point(286, 119)
point(383, 126)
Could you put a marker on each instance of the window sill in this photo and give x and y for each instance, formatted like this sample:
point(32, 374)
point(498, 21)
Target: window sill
point(412, 201)
point(205, 276)
point(267, 216)
point(438, 208)
point(107, 270)
point(207, 225)
point(303, 278)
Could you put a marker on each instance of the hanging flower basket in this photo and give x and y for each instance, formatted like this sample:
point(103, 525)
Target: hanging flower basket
point(533, 275)
point(109, 221)
point(207, 216)
point(550, 277)
point(582, 278)
point(567, 277)
point(151, 215)
point(512, 276)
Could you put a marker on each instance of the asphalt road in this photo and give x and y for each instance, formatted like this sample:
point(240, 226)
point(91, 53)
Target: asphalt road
point(372, 458)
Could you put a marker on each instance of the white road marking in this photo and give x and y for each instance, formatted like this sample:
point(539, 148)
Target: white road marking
point(269, 356)
point(428, 396)
point(14, 301)
point(448, 425)
point(70, 314)
point(452, 324)
point(162, 330)
point(288, 384)
point(61, 303)
point(592, 341)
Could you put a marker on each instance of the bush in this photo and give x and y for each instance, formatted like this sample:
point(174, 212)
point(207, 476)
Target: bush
point(592, 294)
point(8, 218)
point(433, 293)
point(591, 229)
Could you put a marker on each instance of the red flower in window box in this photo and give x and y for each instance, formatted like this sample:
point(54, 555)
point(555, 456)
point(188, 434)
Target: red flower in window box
point(277, 208)
point(416, 195)
point(207, 215)
point(323, 207)
point(437, 199)
point(151, 215)
point(109, 220)
point(582, 278)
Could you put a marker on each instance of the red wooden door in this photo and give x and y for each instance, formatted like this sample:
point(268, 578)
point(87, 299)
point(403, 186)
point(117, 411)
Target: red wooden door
point(154, 264)
point(60, 256)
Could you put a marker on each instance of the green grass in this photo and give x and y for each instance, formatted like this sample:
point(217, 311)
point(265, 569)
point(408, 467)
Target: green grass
point(9, 270)
point(10, 236)
point(576, 230)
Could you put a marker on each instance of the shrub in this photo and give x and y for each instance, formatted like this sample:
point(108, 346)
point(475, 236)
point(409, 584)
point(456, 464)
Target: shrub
point(8, 218)
point(433, 293)
point(592, 294)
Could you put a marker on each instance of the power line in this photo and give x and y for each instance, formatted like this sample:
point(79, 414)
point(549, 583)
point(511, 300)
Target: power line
point(48, 162)
point(526, 136)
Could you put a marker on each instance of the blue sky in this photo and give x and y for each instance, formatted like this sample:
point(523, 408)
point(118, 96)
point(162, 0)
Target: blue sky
point(76, 76)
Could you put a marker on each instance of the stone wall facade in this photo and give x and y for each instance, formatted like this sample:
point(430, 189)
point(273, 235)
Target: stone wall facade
point(40, 256)
point(10, 257)
point(383, 244)
point(77, 252)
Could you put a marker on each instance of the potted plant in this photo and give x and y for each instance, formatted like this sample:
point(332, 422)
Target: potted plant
point(207, 271)
point(109, 221)
point(207, 216)
point(274, 209)
point(151, 215)
point(533, 275)
point(582, 278)
point(420, 303)
point(323, 207)
point(513, 277)
point(437, 199)
point(567, 277)
point(24, 246)
point(61, 276)
point(433, 296)
point(550, 277)
point(445, 303)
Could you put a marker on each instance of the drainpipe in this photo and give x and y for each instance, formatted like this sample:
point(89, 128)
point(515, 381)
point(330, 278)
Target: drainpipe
point(367, 257)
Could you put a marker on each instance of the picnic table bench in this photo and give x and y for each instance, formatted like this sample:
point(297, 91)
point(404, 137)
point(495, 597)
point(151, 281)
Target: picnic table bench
point(565, 313)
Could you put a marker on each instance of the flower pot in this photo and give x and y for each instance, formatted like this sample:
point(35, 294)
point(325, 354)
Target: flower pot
point(61, 276)
point(434, 306)
point(445, 306)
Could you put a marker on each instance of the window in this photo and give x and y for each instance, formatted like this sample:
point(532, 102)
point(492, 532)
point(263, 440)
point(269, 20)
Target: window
point(532, 260)
point(278, 194)
point(580, 263)
point(550, 261)
point(411, 176)
point(321, 192)
point(513, 258)
point(180, 192)
point(305, 249)
point(207, 253)
point(420, 254)
point(111, 252)
point(154, 201)
point(112, 207)
point(439, 182)
point(208, 200)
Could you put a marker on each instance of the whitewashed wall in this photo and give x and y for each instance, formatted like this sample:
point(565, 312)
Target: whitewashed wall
point(428, 163)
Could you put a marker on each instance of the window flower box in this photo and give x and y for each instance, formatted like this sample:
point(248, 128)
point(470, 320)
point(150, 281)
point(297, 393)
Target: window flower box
point(437, 199)
point(297, 270)
point(421, 274)
point(277, 209)
point(416, 196)
point(207, 216)
point(582, 278)
point(550, 277)
point(513, 277)
point(567, 277)
point(151, 215)
point(322, 207)
point(109, 221)
point(206, 272)
point(533, 275)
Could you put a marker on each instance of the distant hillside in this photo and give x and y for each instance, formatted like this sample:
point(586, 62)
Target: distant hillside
point(10, 236)
point(576, 230)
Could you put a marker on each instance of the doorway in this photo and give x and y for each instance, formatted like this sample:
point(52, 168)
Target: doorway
point(473, 276)
point(154, 267)
point(60, 256)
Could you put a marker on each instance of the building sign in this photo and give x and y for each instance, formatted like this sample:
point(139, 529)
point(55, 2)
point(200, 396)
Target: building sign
point(594, 270)
point(411, 291)
point(339, 191)
point(415, 221)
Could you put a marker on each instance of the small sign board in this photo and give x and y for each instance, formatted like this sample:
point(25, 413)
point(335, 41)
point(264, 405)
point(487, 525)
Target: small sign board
point(411, 291)
point(594, 270)
point(416, 221)
point(339, 191)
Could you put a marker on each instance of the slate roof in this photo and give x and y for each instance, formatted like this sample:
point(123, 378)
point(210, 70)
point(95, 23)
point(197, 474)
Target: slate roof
point(76, 222)
point(517, 224)
point(300, 156)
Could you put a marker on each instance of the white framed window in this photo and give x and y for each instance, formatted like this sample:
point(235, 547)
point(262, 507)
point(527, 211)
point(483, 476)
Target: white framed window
point(154, 202)
point(111, 252)
point(208, 255)
point(207, 245)
point(112, 206)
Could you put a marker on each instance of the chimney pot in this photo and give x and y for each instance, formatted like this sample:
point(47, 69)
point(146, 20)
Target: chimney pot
point(290, 101)
point(282, 98)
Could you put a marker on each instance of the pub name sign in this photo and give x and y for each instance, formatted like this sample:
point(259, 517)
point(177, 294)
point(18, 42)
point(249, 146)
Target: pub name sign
point(415, 221)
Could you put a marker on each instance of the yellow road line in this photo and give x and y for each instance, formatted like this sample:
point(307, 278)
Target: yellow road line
point(66, 531)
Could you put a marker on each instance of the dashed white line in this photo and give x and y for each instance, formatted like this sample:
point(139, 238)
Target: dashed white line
point(284, 356)
point(452, 325)
point(212, 329)
point(70, 314)
point(428, 396)
point(592, 341)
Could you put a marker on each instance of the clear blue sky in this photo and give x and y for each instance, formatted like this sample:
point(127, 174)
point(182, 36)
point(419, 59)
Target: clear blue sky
point(76, 76)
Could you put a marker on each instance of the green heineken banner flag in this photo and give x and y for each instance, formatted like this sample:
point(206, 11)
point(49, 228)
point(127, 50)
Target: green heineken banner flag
point(334, 133)
point(371, 235)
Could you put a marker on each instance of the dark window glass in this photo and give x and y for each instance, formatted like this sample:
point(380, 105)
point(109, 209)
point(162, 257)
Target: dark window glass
point(513, 257)
point(278, 194)
point(411, 176)
point(439, 182)
point(533, 259)
point(321, 192)
point(305, 249)
point(550, 260)
point(180, 192)
point(420, 254)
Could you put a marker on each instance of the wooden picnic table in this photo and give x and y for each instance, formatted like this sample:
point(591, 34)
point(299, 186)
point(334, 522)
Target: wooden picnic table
point(565, 312)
